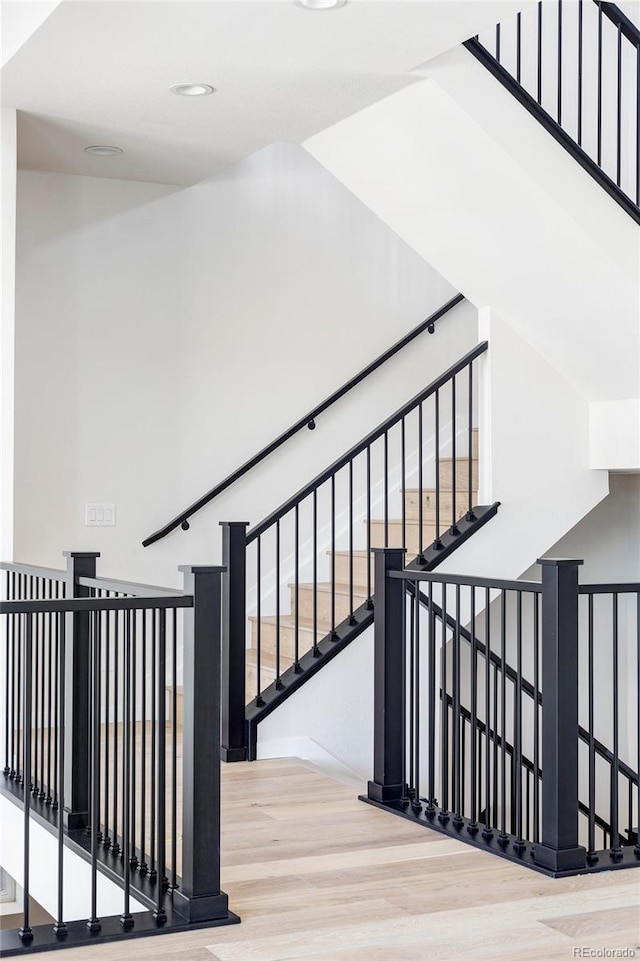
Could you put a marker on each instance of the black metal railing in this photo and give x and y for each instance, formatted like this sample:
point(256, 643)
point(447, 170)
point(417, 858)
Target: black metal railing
point(98, 752)
point(477, 729)
point(304, 574)
point(308, 421)
point(576, 67)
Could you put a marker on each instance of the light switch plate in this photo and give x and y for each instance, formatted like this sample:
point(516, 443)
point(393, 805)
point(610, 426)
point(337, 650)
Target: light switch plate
point(100, 515)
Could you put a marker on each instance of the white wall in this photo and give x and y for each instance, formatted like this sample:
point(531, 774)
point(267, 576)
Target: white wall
point(457, 197)
point(8, 174)
point(44, 866)
point(162, 340)
point(614, 435)
point(19, 20)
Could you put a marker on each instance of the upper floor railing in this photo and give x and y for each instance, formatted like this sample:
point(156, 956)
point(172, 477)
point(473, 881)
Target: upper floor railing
point(308, 421)
point(576, 67)
point(99, 750)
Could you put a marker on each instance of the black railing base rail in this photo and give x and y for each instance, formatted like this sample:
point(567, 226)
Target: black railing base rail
point(111, 929)
point(510, 849)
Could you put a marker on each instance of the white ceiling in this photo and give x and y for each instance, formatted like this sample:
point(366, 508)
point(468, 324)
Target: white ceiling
point(100, 72)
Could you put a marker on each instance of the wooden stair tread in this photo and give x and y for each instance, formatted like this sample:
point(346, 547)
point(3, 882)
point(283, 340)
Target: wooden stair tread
point(288, 620)
point(324, 587)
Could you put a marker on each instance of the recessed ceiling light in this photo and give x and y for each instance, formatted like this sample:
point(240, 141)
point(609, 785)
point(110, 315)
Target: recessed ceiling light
point(319, 4)
point(192, 89)
point(102, 150)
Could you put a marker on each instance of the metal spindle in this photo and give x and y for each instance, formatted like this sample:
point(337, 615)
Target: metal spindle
point(296, 626)
point(115, 844)
point(159, 912)
point(619, 111)
point(518, 52)
point(498, 42)
point(417, 804)
point(457, 800)
point(420, 490)
point(369, 602)
point(50, 716)
point(403, 481)
point(560, 62)
point(454, 479)
point(8, 720)
point(473, 824)
point(133, 860)
point(591, 855)
point(536, 717)
point(386, 488)
point(259, 700)
point(437, 543)
point(106, 838)
point(25, 932)
point(638, 130)
point(142, 864)
point(616, 852)
point(333, 557)
point(278, 682)
point(411, 718)
point(316, 650)
point(503, 699)
point(517, 758)
point(153, 728)
point(126, 918)
point(487, 832)
point(540, 52)
point(637, 844)
point(352, 619)
point(580, 60)
point(444, 725)
point(432, 704)
point(60, 928)
point(470, 515)
point(599, 115)
point(93, 924)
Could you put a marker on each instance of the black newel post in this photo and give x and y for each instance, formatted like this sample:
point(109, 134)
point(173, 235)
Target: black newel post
point(77, 695)
point(559, 849)
point(200, 898)
point(388, 720)
point(234, 625)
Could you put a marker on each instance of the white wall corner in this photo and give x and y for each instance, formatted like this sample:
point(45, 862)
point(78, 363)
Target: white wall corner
point(8, 177)
point(614, 435)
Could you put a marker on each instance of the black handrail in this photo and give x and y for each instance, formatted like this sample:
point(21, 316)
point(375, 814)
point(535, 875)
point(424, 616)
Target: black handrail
point(619, 18)
point(367, 442)
point(307, 421)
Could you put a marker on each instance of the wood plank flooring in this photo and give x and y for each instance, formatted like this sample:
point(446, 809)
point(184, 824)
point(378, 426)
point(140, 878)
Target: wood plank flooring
point(316, 874)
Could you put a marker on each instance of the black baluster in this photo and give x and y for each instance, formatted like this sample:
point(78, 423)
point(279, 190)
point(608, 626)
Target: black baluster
point(619, 111)
point(536, 718)
point(518, 54)
point(470, 515)
point(560, 62)
point(55, 803)
point(403, 481)
point(411, 719)
point(444, 725)
point(316, 650)
point(8, 719)
point(133, 859)
point(153, 874)
point(115, 844)
point(142, 864)
point(637, 844)
point(126, 918)
point(502, 837)
point(472, 827)
point(159, 911)
point(599, 118)
point(420, 491)
point(93, 924)
point(498, 42)
point(580, 59)
point(25, 932)
point(437, 543)
point(106, 837)
point(454, 479)
point(296, 639)
point(430, 810)
point(457, 799)
point(616, 851)
point(59, 927)
point(174, 751)
point(259, 699)
point(369, 601)
point(20, 705)
point(638, 128)
point(352, 619)
point(591, 855)
point(486, 831)
point(386, 489)
point(540, 52)
point(517, 759)
point(35, 593)
point(278, 682)
point(334, 634)
point(417, 804)
point(50, 672)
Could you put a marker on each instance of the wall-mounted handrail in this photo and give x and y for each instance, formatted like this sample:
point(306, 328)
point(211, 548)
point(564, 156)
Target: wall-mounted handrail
point(307, 421)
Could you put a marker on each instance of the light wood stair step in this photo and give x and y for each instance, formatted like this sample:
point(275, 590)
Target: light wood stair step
point(359, 569)
point(342, 599)
point(412, 503)
point(394, 534)
point(462, 473)
point(287, 635)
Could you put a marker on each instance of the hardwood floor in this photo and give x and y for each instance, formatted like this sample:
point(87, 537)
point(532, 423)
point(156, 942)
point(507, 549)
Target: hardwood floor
point(316, 874)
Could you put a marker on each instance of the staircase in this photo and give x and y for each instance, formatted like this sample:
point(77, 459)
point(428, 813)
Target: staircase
point(357, 569)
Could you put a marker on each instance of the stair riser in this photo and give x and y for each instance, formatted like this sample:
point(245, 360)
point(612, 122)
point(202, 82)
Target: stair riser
point(359, 571)
point(412, 505)
point(342, 606)
point(462, 474)
point(287, 640)
point(267, 677)
point(393, 537)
